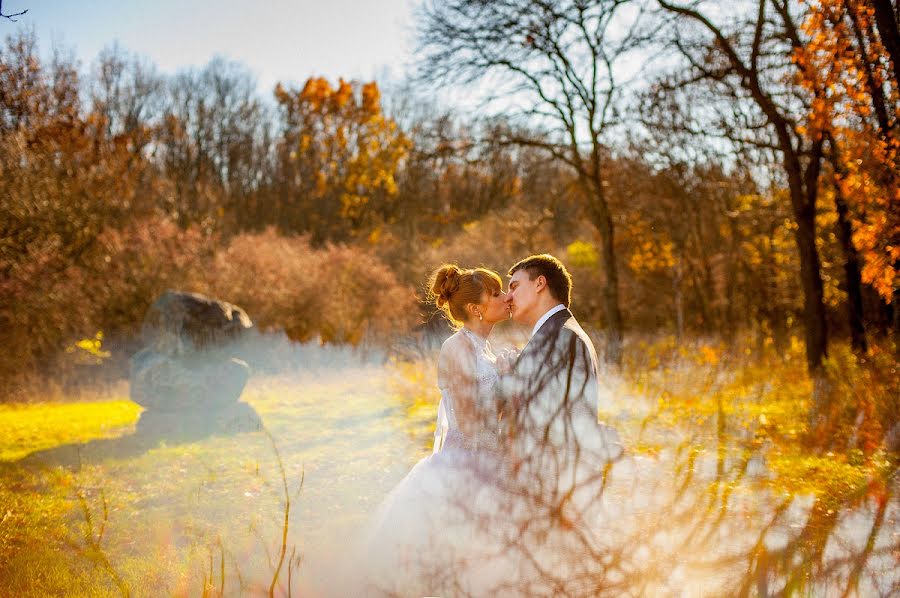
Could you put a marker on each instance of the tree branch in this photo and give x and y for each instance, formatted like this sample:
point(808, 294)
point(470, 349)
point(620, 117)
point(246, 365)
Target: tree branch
point(10, 17)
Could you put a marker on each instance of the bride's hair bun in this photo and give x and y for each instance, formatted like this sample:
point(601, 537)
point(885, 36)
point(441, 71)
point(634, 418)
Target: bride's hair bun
point(452, 288)
point(445, 283)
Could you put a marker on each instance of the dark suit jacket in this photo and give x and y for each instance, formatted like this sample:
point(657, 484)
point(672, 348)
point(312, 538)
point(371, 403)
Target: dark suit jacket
point(551, 397)
point(560, 354)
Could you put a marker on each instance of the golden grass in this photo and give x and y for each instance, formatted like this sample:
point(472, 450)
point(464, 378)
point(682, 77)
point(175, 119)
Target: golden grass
point(353, 432)
point(737, 404)
point(32, 427)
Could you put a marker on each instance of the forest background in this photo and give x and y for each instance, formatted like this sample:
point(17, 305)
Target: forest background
point(726, 177)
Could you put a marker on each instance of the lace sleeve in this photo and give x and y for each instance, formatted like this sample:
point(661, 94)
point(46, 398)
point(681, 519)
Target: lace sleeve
point(457, 380)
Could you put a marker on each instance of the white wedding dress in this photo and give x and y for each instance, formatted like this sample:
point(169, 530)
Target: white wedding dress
point(471, 520)
point(431, 534)
point(447, 432)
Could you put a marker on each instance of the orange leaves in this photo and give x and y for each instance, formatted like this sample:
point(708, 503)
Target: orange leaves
point(319, 95)
point(344, 150)
point(371, 98)
point(858, 104)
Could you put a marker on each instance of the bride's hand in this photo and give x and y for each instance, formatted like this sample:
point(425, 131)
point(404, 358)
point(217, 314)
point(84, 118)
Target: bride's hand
point(505, 360)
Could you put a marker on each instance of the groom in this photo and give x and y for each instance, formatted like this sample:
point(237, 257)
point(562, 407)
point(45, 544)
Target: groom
point(552, 391)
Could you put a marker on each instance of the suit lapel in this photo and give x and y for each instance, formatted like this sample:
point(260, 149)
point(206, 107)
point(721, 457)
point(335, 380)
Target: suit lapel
point(543, 338)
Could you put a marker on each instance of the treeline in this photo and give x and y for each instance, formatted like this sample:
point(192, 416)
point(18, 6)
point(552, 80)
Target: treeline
point(322, 208)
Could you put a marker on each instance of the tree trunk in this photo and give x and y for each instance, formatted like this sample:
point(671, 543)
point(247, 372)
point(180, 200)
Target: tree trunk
point(803, 185)
point(813, 291)
point(889, 33)
point(602, 219)
point(678, 276)
point(852, 275)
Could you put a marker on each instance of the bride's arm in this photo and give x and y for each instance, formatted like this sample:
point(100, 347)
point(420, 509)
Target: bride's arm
point(456, 374)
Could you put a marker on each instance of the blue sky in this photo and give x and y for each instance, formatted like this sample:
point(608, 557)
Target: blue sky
point(280, 40)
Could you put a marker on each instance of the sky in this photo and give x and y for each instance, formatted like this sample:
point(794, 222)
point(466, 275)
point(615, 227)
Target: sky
point(279, 40)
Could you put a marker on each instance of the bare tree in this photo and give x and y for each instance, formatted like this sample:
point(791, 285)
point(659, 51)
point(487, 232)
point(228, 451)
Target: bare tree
point(557, 65)
point(214, 141)
point(745, 61)
point(128, 92)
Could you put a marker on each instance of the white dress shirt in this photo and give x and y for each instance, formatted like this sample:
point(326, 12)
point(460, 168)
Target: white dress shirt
point(559, 307)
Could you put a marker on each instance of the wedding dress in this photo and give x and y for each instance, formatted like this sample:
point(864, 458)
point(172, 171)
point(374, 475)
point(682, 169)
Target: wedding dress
point(433, 533)
point(528, 516)
point(447, 432)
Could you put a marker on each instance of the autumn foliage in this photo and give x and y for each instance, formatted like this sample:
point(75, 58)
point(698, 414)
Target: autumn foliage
point(322, 208)
point(338, 158)
point(858, 107)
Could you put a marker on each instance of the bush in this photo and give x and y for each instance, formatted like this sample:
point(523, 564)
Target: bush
point(51, 308)
point(136, 264)
point(339, 293)
point(44, 304)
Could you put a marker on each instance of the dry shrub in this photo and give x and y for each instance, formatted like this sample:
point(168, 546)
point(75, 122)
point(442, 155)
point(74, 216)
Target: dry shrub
point(338, 293)
point(50, 302)
point(44, 303)
point(138, 263)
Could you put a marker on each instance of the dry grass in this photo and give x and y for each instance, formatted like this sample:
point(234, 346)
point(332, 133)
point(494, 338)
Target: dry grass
point(171, 517)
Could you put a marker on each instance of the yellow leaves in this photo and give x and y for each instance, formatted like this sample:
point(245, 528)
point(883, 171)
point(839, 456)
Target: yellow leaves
point(371, 98)
point(342, 95)
point(352, 205)
point(315, 92)
point(582, 254)
point(651, 251)
point(89, 351)
point(708, 355)
point(348, 148)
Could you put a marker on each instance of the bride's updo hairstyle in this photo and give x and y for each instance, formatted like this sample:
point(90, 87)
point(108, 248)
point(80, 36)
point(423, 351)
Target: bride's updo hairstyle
point(452, 288)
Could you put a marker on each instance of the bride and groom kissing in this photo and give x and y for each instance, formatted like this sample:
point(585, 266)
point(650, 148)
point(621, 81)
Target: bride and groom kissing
point(488, 400)
point(519, 454)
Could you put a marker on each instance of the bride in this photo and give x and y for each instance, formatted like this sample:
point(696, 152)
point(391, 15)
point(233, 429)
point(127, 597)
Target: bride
point(432, 523)
point(474, 301)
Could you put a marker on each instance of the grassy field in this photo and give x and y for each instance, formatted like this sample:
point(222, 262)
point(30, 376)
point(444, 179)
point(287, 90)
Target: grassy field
point(207, 517)
point(148, 525)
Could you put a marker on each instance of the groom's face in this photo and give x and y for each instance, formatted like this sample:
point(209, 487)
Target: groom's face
point(522, 297)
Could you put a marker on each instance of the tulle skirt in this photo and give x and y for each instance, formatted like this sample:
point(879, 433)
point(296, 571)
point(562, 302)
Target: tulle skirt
point(440, 531)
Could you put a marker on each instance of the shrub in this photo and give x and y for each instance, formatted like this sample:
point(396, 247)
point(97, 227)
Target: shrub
point(136, 264)
point(44, 304)
point(338, 293)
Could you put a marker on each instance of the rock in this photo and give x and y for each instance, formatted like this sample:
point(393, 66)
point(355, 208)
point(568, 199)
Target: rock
point(180, 323)
point(188, 363)
point(193, 425)
point(163, 383)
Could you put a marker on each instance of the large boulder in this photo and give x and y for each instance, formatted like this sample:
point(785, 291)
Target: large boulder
point(188, 362)
point(163, 383)
point(180, 323)
point(193, 425)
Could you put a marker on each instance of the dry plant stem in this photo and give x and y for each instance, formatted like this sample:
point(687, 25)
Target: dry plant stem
point(221, 569)
point(286, 524)
point(92, 549)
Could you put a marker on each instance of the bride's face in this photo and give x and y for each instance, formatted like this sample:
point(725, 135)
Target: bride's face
point(493, 306)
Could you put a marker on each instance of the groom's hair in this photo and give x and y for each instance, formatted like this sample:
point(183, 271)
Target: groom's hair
point(559, 281)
